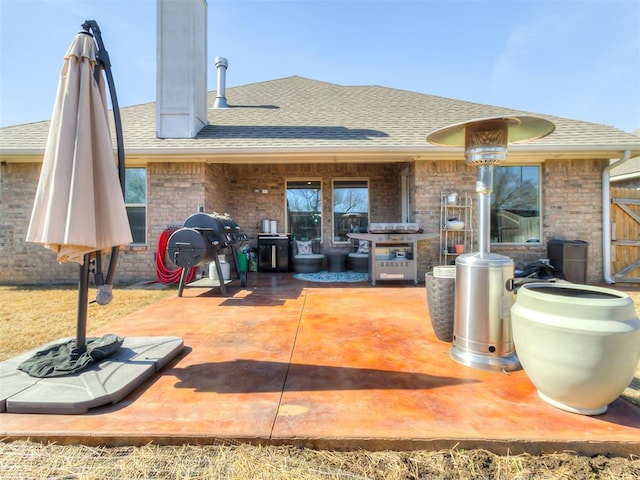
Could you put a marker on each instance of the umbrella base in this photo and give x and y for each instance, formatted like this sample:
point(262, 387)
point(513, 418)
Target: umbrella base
point(106, 382)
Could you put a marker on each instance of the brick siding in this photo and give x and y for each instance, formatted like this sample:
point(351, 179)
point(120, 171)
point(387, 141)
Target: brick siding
point(572, 192)
point(22, 262)
point(571, 208)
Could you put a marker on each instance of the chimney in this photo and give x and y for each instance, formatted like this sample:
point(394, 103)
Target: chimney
point(181, 82)
point(221, 90)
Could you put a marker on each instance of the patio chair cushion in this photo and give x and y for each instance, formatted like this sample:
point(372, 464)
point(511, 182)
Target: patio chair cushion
point(304, 248)
point(363, 246)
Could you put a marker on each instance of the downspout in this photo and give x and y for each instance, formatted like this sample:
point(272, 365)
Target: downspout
point(606, 217)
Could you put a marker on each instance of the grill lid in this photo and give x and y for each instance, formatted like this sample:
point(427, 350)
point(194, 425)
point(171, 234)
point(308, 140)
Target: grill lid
point(188, 248)
point(211, 221)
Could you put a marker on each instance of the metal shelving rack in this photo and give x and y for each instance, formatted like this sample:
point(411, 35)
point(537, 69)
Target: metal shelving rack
point(462, 209)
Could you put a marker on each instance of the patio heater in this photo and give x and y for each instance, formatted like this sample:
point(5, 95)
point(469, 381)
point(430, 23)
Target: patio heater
point(484, 281)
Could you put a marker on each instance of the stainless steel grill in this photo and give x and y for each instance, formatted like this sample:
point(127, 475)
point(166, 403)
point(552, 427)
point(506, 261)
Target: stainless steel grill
point(393, 250)
point(202, 238)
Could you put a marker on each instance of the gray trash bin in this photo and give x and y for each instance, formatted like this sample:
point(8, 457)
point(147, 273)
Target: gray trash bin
point(569, 257)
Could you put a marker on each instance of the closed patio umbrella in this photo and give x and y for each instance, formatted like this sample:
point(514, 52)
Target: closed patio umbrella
point(79, 208)
point(79, 213)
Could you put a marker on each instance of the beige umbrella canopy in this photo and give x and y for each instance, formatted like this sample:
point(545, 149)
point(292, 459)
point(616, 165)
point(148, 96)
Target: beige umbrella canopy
point(79, 206)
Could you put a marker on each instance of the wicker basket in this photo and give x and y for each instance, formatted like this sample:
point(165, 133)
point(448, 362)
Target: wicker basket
point(440, 300)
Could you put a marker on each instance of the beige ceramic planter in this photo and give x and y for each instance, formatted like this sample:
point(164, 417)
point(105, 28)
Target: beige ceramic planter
point(579, 344)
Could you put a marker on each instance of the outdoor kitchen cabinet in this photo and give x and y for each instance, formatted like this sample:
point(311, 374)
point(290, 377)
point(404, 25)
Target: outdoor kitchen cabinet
point(394, 259)
point(393, 256)
point(458, 206)
point(274, 251)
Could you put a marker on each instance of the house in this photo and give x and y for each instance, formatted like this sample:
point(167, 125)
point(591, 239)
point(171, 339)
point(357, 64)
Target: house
point(280, 134)
point(284, 139)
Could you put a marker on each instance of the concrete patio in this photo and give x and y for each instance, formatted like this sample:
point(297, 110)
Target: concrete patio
point(336, 366)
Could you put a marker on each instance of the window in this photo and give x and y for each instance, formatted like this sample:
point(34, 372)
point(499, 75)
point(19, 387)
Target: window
point(350, 208)
point(304, 209)
point(515, 205)
point(135, 199)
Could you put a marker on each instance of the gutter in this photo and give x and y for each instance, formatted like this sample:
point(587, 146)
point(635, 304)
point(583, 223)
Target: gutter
point(626, 176)
point(195, 147)
point(606, 217)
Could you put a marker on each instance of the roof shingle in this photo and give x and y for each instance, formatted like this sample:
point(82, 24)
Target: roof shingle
point(297, 113)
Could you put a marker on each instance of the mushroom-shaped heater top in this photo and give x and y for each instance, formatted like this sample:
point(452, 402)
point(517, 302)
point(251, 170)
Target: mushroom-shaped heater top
point(485, 139)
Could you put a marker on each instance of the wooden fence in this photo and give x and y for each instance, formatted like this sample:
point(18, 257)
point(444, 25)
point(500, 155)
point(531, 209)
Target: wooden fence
point(625, 234)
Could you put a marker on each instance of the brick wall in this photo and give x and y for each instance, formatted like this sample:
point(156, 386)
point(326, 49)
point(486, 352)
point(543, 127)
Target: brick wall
point(572, 192)
point(249, 207)
point(174, 191)
point(22, 262)
point(217, 189)
point(431, 178)
point(571, 208)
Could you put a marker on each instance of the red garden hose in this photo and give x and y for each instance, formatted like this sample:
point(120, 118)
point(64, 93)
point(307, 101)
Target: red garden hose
point(164, 274)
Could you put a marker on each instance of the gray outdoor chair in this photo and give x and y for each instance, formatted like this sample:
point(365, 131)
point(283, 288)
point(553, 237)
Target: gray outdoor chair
point(305, 259)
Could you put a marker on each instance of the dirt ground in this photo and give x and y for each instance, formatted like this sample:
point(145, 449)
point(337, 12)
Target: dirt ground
point(31, 460)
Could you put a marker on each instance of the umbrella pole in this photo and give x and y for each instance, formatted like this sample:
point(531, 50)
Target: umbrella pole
point(105, 62)
point(83, 300)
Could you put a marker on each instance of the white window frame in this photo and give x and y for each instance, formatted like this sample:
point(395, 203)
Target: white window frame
point(140, 205)
point(333, 189)
point(322, 204)
point(530, 241)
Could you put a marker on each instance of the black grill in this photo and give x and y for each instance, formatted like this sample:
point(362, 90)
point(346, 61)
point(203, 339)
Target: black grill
point(201, 239)
point(216, 227)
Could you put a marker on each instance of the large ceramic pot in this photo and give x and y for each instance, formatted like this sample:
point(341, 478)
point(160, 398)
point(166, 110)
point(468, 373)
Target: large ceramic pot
point(579, 344)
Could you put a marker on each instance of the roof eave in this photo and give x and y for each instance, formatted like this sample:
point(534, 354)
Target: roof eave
point(331, 154)
point(21, 155)
point(625, 176)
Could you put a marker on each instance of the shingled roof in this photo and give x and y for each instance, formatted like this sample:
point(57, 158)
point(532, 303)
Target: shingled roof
point(628, 170)
point(300, 115)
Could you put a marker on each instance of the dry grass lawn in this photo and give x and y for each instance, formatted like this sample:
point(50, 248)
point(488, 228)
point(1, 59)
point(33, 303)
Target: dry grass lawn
point(20, 460)
point(32, 316)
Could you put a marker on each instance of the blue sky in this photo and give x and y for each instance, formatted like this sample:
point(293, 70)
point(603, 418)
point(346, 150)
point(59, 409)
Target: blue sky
point(573, 58)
